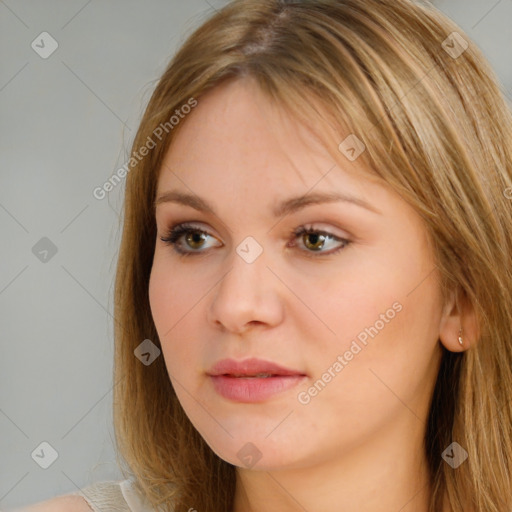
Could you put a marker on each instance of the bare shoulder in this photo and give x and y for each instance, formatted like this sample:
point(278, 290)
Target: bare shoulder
point(65, 503)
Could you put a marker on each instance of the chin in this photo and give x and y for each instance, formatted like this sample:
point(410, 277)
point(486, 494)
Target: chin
point(257, 453)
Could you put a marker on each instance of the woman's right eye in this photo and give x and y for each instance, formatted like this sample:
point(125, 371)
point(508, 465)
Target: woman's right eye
point(194, 236)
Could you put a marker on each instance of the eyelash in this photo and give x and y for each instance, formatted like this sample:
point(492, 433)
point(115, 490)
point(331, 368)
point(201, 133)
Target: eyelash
point(175, 233)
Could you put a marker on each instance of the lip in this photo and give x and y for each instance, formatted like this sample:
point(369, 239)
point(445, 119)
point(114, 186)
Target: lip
point(235, 381)
point(250, 367)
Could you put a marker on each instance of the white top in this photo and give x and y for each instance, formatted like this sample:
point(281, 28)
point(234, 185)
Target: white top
point(114, 496)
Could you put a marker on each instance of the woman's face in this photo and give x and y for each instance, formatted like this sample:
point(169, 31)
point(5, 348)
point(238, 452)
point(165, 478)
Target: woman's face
point(357, 323)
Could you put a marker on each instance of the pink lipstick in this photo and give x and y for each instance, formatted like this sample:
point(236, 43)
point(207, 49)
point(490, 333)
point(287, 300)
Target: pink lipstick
point(252, 380)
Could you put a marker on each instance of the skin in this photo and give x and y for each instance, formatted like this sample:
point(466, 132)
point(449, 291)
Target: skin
point(357, 445)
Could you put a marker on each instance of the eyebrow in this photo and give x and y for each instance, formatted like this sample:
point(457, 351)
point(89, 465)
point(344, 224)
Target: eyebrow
point(283, 208)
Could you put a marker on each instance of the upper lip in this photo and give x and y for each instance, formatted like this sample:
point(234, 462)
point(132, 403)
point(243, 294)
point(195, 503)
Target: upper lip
point(250, 367)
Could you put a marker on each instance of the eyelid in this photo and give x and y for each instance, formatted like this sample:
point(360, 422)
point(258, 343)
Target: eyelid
point(330, 227)
point(179, 228)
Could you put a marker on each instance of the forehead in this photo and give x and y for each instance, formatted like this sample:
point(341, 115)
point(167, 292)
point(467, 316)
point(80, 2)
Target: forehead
point(236, 139)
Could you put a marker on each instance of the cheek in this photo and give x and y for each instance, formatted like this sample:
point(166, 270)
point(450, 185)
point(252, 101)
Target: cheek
point(173, 304)
point(356, 301)
point(171, 294)
point(389, 307)
point(160, 300)
point(387, 356)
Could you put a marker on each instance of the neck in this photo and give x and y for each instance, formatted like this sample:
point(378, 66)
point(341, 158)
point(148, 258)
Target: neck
point(383, 474)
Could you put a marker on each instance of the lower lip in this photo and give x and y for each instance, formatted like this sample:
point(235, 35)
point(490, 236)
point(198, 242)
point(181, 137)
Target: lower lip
point(239, 389)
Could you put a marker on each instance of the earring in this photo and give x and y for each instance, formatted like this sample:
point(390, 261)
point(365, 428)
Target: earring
point(460, 336)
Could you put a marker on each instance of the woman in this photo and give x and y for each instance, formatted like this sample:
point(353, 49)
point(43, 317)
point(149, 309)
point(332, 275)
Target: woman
point(314, 275)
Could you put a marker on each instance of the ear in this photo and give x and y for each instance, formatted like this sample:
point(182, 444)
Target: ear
point(458, 312)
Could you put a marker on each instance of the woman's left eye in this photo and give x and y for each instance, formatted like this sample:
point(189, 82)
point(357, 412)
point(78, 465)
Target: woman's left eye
point(311, 238)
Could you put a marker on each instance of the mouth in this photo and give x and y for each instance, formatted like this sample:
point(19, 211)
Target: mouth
point(255, 368)
point(252, 380)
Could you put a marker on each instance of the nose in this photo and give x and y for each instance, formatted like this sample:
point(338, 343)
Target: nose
point(248, 294)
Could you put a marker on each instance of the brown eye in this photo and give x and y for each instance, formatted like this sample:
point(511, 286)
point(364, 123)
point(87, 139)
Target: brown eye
point(315, 240)
point(195, 237)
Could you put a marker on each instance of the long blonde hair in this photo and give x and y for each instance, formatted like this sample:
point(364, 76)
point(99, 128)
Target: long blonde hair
point(413, 87)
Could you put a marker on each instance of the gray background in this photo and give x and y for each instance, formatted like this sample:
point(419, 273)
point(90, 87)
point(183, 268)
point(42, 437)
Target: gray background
point(66, 123)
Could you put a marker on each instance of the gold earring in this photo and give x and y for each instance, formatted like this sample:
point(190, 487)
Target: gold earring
point(460, 336)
